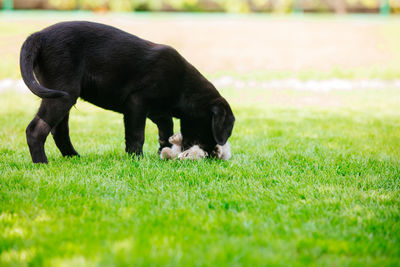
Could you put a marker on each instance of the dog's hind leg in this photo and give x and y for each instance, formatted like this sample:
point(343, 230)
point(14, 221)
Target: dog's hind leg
point(51, 113)
point(36, 134)
point(135, 114)
point(165, 127)
point(61, 137)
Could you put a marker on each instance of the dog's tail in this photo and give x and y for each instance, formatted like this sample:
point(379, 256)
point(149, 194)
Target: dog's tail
point(29, 52)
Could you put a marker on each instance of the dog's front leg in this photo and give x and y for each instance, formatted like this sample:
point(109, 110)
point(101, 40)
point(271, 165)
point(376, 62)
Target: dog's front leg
point(135, 114)
point(165, 127)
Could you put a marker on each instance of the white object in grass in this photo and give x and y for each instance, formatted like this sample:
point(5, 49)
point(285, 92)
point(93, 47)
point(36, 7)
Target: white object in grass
point(193, 153)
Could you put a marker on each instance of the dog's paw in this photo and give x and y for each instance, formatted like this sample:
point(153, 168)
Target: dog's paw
point(222, 152)
point(176, 139)
point(217, 152)
point(226, 151)
point(193, 153)
point(167, 153)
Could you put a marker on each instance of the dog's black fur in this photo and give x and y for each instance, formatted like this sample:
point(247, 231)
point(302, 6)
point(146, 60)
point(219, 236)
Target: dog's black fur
point(121, 72)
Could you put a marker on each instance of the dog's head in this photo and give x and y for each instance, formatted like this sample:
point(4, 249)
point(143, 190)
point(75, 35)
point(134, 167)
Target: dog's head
point(213, 126)
point(222, 121)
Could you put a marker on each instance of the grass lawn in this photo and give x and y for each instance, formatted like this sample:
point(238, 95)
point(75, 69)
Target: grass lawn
point(314, 178)
point(310, 183)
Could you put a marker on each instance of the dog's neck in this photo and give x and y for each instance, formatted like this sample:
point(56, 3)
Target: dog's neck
point(198, 94)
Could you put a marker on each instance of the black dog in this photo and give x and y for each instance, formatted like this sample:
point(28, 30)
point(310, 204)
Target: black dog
point(121, 72)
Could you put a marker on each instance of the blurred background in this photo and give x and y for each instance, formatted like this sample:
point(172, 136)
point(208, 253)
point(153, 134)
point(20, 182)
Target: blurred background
point(242, 6)
point(315, 45)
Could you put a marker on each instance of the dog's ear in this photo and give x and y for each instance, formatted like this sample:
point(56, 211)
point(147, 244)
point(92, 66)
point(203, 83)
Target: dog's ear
point(221, 123)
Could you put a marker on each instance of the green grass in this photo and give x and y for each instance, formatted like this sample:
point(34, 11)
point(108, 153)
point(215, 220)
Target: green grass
point(307, 185)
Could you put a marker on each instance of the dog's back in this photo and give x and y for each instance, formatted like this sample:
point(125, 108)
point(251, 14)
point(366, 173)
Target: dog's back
point(103, 64)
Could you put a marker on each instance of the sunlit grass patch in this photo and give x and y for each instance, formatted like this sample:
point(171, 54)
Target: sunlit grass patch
point(307, 184)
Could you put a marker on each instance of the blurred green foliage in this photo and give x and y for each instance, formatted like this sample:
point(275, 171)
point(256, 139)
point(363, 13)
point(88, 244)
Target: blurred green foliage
point(233, 6)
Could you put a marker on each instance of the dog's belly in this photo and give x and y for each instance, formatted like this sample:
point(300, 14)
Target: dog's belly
point(115, 100)
point(105, 94)
point(102, 104)
point(107, 100)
